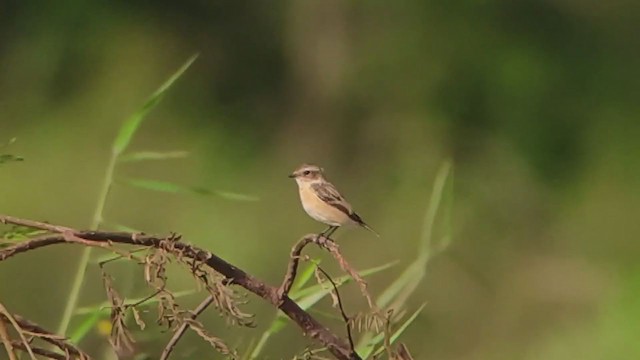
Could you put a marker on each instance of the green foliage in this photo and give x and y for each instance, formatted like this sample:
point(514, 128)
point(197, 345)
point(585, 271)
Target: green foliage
point(395, 296)
point(537, 100)
point(18, 233)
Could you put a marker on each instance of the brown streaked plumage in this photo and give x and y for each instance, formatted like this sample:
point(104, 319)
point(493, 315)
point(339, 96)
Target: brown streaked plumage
point(322, 201)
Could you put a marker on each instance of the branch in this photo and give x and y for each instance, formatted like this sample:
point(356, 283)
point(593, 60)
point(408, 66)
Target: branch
point(292, 268)
point(346, 319)
point(177, 335)
point(333, 248)
point(32, 329)
point(309, 325)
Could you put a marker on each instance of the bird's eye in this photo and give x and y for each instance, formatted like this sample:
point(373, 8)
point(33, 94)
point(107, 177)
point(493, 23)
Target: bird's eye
point(306, 172)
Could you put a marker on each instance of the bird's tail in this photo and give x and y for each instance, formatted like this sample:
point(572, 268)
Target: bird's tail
point(369, 228)
point(358, 220)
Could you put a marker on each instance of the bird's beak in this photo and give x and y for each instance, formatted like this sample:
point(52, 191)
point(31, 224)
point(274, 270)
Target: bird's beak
point(292, 175)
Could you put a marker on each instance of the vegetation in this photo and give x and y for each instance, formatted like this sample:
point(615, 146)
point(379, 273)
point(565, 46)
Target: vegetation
point(526, 253)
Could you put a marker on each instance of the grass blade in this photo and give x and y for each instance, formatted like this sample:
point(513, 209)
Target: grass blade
point(305, 275)
point(86, 325)
point(5, 158)
point(169, 187)
point(235, 196)
point(158, 185)
point(152, 155)
point(434, 205)
point(396, 294)
point(414, 273)
point(132, 124)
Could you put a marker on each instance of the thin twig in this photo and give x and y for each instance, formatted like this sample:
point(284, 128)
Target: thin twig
point(32, 329)
point(5, 219)
point(177, 335)
point(43, 352)
point(4, 336)
point(341, 307)
point(6, 315)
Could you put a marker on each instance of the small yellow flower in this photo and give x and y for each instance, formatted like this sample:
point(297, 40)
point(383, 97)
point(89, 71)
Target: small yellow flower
point(104, 327)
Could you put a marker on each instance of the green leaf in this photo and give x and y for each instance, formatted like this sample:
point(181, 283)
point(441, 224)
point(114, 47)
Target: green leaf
point(86, 325)
point(5, 158)
point(105, 307)
point(169, 187)
point(434, 205)
point(235, 196)
point(157, 185)
point(152, 155)
point(130, 126)
point(413, 274)
point(18, 233)
point(305, 275)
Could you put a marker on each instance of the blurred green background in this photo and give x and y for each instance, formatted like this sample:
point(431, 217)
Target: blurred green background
point(536, 103)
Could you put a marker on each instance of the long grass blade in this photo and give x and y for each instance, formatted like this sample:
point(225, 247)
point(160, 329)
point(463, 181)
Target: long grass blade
point(169, 187)
point(152, 155)
point(132, 124)
point(397, 293)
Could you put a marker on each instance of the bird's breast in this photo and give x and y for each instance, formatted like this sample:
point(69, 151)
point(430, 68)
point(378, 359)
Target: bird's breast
point(320, 210)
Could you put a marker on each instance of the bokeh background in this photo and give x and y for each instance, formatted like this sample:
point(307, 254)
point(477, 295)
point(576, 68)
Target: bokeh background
point(534, 101)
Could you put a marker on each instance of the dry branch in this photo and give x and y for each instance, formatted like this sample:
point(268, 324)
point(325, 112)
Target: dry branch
point(177, 335)
point(309, 325)
point(333, 248)
point(31, 329)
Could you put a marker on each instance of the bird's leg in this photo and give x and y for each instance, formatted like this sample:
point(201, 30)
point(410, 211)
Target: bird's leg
point(330, 232)
point(325, 232)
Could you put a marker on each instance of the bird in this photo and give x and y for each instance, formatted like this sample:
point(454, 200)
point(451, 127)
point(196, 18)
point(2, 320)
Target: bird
point(322, 201)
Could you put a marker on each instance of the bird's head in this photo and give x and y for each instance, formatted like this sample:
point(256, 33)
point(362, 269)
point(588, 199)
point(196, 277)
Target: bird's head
point(307, 173)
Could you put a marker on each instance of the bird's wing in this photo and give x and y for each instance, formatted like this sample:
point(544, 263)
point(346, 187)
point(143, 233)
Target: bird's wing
point(328, 193)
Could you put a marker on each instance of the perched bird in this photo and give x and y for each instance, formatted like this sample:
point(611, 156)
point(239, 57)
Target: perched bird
point(323, 202)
